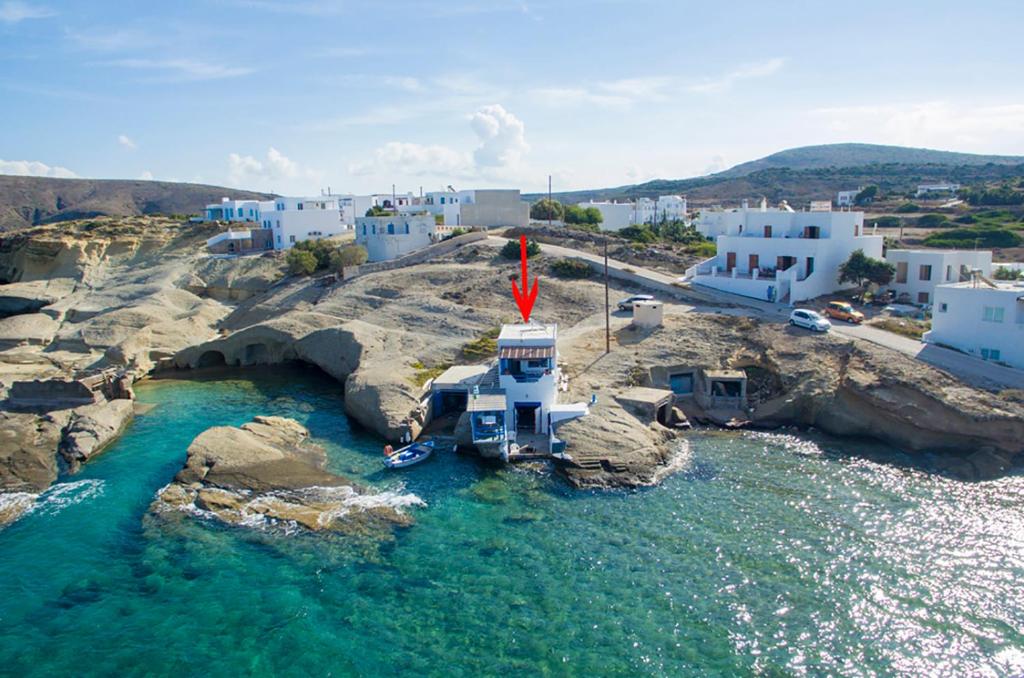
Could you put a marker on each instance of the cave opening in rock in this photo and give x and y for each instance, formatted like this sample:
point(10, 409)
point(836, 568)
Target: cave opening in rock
point(211, 359)
point(257, 354)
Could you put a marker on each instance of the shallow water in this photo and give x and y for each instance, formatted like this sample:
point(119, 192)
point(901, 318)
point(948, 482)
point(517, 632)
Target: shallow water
point(766, 553)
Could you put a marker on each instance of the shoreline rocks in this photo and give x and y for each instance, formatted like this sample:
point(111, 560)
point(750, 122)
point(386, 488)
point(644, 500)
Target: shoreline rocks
point(91, 429)
point(267, 472)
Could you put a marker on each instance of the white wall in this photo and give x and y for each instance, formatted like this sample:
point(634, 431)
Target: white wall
point(318, 217)
point(615, 216)
point(966, 318)
point(946, 267)
point(393, 236)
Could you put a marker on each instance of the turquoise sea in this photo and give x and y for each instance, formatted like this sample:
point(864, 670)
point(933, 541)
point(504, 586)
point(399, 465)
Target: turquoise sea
point(766, 554)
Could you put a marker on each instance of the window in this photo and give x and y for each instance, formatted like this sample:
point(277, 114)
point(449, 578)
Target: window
point(299, 206)
point(278, 239)
point(926, 272)
point(949, 273)
point(943, 307)
point(767, 231)
point(291, 238)
point(901, 272)
point(993, 314)
point(538, 363)
point(391, 229)
point(990, 354)
point(922, 297)
point(407, 228)
point(364, 229)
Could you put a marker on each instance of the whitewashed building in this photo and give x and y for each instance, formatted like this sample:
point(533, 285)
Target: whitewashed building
point(395, 235)
point(918, 272)
point(483, 208)
point(619, 215)
point(944, 187)
point(980, 318)
point(293, 220)
point(233, 211)
point(780, 255)
point(847, 198)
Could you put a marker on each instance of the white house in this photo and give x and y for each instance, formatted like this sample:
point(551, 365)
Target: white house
point(618, 215)
point(293, 220)
point(517, 402)
point(485, 208)
point(918, 272)
point(980, 318)
point(233, 210)
point(847, 198)
point(780, 254)
point(395, 235)
point(945, 187)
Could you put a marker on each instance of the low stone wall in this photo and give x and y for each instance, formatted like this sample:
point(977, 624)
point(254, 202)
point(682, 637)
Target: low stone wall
point(426, 254)
point(52, 392)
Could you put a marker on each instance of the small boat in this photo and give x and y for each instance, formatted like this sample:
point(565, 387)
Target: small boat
point(409, 455)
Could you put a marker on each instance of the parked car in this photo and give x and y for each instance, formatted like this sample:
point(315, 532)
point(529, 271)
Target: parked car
point(841, 310)
point(627, 303)
point(804, 317)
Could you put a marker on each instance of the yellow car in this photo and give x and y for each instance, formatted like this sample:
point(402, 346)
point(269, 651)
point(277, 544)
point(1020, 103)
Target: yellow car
point(841, 310)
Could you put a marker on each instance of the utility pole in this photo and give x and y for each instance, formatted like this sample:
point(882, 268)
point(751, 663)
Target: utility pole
point(549, 201)
point(607, 306)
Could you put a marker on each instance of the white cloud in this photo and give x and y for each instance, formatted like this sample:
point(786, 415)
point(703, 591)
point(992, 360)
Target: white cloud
point(34, 168)
point(146, 175)
point(725, 82)
point(937, 124)
point(499, 153)
point(717, 164)
point(182, 69)
point(502, 137)
point(414, 160)
point(126, 142)
point(246, 170)
point(15, 11)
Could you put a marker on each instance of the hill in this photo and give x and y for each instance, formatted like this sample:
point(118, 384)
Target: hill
point(817, 172)
point(27, 201)
point(854, 155)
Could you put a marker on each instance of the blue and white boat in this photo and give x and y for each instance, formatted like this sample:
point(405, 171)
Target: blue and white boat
point(410, 454)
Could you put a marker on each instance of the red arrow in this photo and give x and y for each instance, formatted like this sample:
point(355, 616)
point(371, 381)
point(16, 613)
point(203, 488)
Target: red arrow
point(524, 300)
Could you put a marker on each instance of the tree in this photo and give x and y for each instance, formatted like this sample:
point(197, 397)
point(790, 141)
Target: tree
point(866, 195)
point(300, 262)
point(349, 255)
point(861, 270)
point(574, 214)
point(320, 249)
point(547, 208)
point(642, 233)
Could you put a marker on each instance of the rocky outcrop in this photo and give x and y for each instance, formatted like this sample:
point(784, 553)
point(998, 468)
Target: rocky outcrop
point(91, 429)
point(28, 460)
point(31, 297)
point(32, 329)
point(267, 472)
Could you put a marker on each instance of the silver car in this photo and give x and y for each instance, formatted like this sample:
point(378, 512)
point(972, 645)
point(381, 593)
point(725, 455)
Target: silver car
point(811, 320)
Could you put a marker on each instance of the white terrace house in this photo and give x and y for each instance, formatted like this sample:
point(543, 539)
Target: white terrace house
point(919, 272)
point(395, 235)
point(780, 254)
point(290, 220)
point(618, 215)
point(981, 318)
point(517, 400)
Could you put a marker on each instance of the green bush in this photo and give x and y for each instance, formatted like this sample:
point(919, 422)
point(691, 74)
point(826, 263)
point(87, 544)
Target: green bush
point(574, 214)
point(572, 268)
point(349, 255)
point(642, 233)
point(965, 219)
point(455, 233)
point(887, 222)
point(703, 249)
point(484, 346)
point(969, 237)
point(586, 228)
point(932, 221)
point(511, 249)
point(908, 207)
point(320, 249)
point(375, 211)
point(1004, 273)
point(300, 262)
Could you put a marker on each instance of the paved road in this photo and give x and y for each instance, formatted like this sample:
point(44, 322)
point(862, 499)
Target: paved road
point(967, 368)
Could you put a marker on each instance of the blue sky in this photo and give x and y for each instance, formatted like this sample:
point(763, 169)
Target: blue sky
point(358, 95)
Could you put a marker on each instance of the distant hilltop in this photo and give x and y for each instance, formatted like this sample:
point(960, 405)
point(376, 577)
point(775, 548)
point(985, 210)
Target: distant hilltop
point(818, 172)
point(26, 201)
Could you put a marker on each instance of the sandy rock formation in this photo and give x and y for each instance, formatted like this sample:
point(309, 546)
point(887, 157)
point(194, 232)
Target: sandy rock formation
point(268, 472)
point(28, 463)
point(32, 329)
point(31, 297)
point(91, 429)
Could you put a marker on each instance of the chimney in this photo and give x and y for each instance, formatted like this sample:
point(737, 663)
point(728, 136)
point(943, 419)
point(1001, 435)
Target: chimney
point(746, 204)
point(764, 204)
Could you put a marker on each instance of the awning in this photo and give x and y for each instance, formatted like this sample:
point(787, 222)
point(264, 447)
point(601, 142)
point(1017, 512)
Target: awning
point(486, 402)
point(526, 352)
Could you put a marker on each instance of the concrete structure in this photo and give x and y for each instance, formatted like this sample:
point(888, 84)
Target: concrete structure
point(241, 241)
point(779, 254)
point(233, 210)
point(396, 235)
point(980, 318)
point(293, 220)
point(847, 198)
point(946, 187)
point(484, 208)
point(516, 400)
point(648, 313)
point(918, 272)
point(618, 215)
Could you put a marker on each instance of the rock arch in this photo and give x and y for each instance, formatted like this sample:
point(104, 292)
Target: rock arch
point(211, 359)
